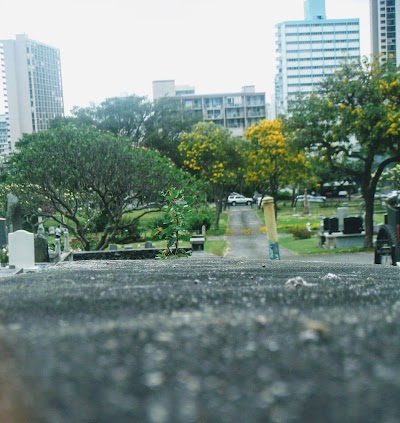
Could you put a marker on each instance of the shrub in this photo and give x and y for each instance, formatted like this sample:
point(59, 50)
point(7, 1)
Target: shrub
point(284, 196)
point(154, 226)
point(131, 234)
point(100, 223)
point(300, 232)
point(155, 223)
point(198, 218)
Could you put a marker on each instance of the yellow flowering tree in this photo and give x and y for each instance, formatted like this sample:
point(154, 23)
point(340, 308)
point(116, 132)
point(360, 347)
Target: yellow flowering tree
point(272, 163)
point(211, 153)
point(353, 121)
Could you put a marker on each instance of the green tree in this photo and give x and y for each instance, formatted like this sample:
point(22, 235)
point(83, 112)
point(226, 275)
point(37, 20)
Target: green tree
point(119, 115)
point(177, 209)
point(80, 176)
point(210, 152)
point(391, 177)
point(165, 126)
point(353, 120)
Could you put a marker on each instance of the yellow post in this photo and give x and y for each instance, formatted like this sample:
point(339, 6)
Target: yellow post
point(270, 223)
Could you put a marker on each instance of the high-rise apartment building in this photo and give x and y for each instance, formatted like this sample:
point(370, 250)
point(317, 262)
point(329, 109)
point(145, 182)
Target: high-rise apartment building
point(32, 86)
point(311, 49)
point(4, 134)
point(235, 111)
point(385, 27)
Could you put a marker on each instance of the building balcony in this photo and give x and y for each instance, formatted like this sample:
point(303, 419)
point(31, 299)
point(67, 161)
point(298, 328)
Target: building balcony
point(233, 106)
point(211, 107)
point(217, 117)
point(256, 115)
point(255, 104)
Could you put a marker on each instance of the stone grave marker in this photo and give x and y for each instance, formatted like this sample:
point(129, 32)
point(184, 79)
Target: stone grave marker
point(3, 232)
point(353, 225)
point(13, 213)
point(342, 213)
point(21, 247)
point(333, 225)
point(67, 247)
point(41, 249)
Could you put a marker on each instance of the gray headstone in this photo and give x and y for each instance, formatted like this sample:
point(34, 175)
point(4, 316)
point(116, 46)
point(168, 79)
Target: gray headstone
point(148, 244)
point(67, 246)
point(14, 213)
point(342, 213)
point(41, 249)
point(3, 232)
point(113, 247)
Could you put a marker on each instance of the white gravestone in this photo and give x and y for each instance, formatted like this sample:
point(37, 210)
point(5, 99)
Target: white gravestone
point(21, 249)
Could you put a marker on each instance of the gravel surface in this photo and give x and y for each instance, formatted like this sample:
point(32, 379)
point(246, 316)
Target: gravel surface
point(202, 339)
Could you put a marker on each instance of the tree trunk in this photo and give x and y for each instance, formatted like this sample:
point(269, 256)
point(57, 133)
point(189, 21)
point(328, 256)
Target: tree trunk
point(218, 211)
point(368, 193)
point(369, 218)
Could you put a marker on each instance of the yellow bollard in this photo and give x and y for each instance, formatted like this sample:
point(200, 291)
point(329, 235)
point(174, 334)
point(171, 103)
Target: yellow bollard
point(270, 223)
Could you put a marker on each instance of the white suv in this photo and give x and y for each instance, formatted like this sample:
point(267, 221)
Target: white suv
point(239, 199)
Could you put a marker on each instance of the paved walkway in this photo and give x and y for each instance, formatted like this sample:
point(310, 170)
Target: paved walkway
point(246, 240)
point(218, 340)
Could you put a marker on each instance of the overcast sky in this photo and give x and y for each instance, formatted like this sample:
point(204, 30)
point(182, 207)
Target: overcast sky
point(116, 47)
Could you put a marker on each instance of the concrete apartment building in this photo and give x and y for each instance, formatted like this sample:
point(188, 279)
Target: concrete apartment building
point(235, 111)
point(385, 27)
point(32, 86)
point(310, 49)
point(4, 147)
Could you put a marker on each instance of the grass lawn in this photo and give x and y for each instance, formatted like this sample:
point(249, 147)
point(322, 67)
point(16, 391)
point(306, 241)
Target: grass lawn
point(310, 246)
point(216, 247)
point(288, 218)
point(223, 225)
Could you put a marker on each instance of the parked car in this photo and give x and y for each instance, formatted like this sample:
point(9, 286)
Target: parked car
point(311, 198)
point(239, 199)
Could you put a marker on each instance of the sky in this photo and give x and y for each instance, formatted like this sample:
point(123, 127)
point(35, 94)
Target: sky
point(118, 47)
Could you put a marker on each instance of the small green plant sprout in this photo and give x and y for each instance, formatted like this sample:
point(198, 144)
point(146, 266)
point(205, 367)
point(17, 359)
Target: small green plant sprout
point(175, 223)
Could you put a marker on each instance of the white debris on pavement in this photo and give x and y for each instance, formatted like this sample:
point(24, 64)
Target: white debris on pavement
point(331, 276)
point(297, 281)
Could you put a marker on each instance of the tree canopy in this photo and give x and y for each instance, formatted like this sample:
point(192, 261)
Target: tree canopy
point(118, 115)
point(210, 152)
point(164, 127)
point(272, 163)
point(353, 120)
point(77, 175)
point(157, 125)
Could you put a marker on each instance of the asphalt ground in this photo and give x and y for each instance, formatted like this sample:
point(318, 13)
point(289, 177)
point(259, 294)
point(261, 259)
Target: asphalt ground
point(202, 339)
